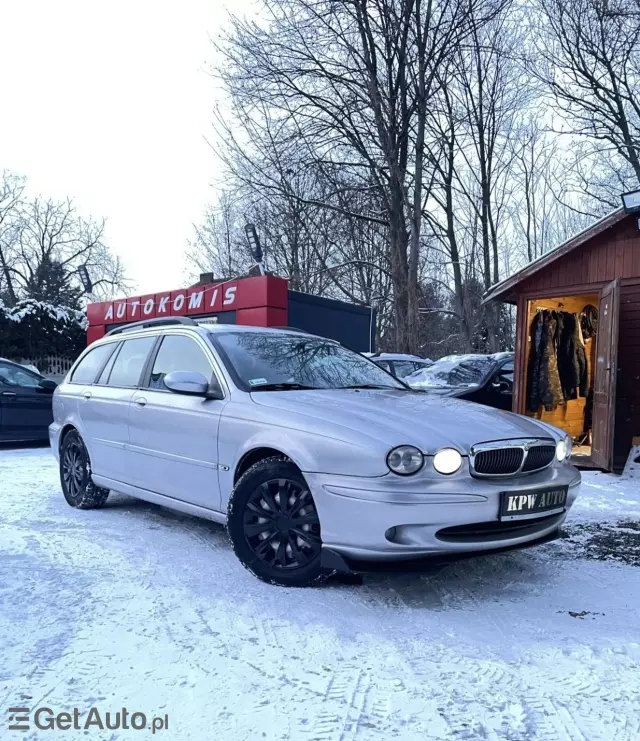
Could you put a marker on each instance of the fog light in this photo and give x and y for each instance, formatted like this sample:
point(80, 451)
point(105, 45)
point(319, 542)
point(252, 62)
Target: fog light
point(390, 535)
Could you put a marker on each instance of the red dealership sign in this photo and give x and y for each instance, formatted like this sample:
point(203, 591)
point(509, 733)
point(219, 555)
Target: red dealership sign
point(260, 300)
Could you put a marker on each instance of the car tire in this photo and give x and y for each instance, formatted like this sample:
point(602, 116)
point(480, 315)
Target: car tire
point(274, 526)
point(75, 475)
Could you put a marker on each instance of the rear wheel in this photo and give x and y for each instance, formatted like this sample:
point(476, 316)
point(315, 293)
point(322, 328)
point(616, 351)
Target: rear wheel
point(75, 475)
point(274, 526)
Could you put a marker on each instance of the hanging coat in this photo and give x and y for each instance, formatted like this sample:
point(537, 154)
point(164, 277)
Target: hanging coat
point(572, 361)
point(543, 379)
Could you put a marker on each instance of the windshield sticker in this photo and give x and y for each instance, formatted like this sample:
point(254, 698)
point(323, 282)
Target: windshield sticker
point(257, 381)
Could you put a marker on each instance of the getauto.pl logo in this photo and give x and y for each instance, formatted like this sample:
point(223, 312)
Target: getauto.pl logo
point(46, 719)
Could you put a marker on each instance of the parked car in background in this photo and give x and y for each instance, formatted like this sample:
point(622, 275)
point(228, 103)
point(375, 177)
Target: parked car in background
point(315, 458)
point(25, 403)
point(399, 365)
point(485, 379)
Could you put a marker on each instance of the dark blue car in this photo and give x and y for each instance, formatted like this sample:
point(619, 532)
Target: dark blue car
point(25, 404)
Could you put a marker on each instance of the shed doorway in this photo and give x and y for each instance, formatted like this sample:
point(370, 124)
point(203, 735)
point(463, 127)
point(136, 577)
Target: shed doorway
point(560, 367)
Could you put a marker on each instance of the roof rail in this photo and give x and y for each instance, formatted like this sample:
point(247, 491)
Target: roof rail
point(159, 322)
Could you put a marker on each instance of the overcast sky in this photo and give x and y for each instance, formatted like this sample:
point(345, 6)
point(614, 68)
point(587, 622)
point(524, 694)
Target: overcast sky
point(109, 101)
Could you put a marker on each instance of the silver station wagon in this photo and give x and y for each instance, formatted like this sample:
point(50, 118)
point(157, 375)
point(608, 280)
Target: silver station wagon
point(315, 458)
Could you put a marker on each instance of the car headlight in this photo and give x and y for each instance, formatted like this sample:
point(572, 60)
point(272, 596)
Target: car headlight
point(405, 460)
point(447, 461)
point(563, 448)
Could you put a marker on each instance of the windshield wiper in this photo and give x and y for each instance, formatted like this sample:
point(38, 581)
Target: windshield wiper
point(370, 386)
point(283, 387)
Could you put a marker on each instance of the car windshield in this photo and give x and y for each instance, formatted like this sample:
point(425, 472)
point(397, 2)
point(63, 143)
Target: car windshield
point(279, 361)
point(454, 371)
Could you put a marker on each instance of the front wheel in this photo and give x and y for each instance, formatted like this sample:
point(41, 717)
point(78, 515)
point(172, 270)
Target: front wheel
point(75, 475)
point(274, 525)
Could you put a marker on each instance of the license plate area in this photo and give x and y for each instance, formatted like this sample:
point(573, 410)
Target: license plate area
point(528, 505)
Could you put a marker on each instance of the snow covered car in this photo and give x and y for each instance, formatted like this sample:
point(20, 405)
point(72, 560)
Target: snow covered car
point(485, 379)
point(314, 457)
point(398, 364)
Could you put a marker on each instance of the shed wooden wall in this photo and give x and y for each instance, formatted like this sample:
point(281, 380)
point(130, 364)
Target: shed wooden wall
point(615, 253)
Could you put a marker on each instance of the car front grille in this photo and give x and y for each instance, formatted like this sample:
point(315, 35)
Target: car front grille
point(498, 462)
point(485, 531)
point(539, 456)
point(510, 458)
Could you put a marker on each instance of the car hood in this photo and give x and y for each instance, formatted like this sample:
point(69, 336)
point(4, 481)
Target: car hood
point(397, 416)
point(444, 390)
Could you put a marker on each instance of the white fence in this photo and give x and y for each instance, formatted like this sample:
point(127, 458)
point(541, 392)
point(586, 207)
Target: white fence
point(51, 366)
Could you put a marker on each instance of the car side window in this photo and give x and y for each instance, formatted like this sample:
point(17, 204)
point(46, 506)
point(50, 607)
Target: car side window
point(178, 353)
point(88, 367)
point(505, 374)
point(404, 368)
point(106, 371)
point(129, 364)
point(16, 377)
point(384, 364)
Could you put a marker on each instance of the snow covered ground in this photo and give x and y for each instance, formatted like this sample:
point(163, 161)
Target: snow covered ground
point(140, 607)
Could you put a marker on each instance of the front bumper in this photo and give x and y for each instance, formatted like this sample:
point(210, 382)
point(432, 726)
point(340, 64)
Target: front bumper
point(399, 519)
point(54, 439)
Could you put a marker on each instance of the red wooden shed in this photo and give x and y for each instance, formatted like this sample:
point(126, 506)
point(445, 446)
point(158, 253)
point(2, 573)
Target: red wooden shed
point(598, 269)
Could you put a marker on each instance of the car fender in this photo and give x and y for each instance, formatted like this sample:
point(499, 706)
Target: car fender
point(311, 451)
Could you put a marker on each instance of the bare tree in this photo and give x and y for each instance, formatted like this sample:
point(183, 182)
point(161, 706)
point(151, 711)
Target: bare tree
point(548, 206)
point(53, 243)
point(589, 56)
point(11, 190)
point(218, 246)
point(353, 81)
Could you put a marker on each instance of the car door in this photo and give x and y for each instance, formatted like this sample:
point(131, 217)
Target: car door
point(110, 380)
point(25, 406)
point(173, 438)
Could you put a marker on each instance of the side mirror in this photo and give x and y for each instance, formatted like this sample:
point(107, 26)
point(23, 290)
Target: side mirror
point(47, 386)
point(191, 383)
point(504, 387)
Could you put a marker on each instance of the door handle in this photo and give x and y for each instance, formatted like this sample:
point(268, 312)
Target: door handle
point(87, 395)
point(9, 394)
point(141, 401)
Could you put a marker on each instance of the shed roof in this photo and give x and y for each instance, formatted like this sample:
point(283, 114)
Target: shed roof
point(504, 290)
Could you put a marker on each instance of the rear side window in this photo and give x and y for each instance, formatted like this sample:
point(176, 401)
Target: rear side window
point(106, 371)
point(128, 366)
point(506, 373)
point(87, 369)
point(404, 367)
point(178, 353)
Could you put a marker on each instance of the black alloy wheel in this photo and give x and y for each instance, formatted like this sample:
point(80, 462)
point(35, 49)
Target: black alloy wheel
point(75, 475)
point(274, 525)
point(281, 524)
point(73, 468)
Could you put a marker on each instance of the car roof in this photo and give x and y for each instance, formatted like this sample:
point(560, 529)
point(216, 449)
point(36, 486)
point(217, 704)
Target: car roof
point(13, 362)
point(396, 356)
point(202, 326)
point(470, 356)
